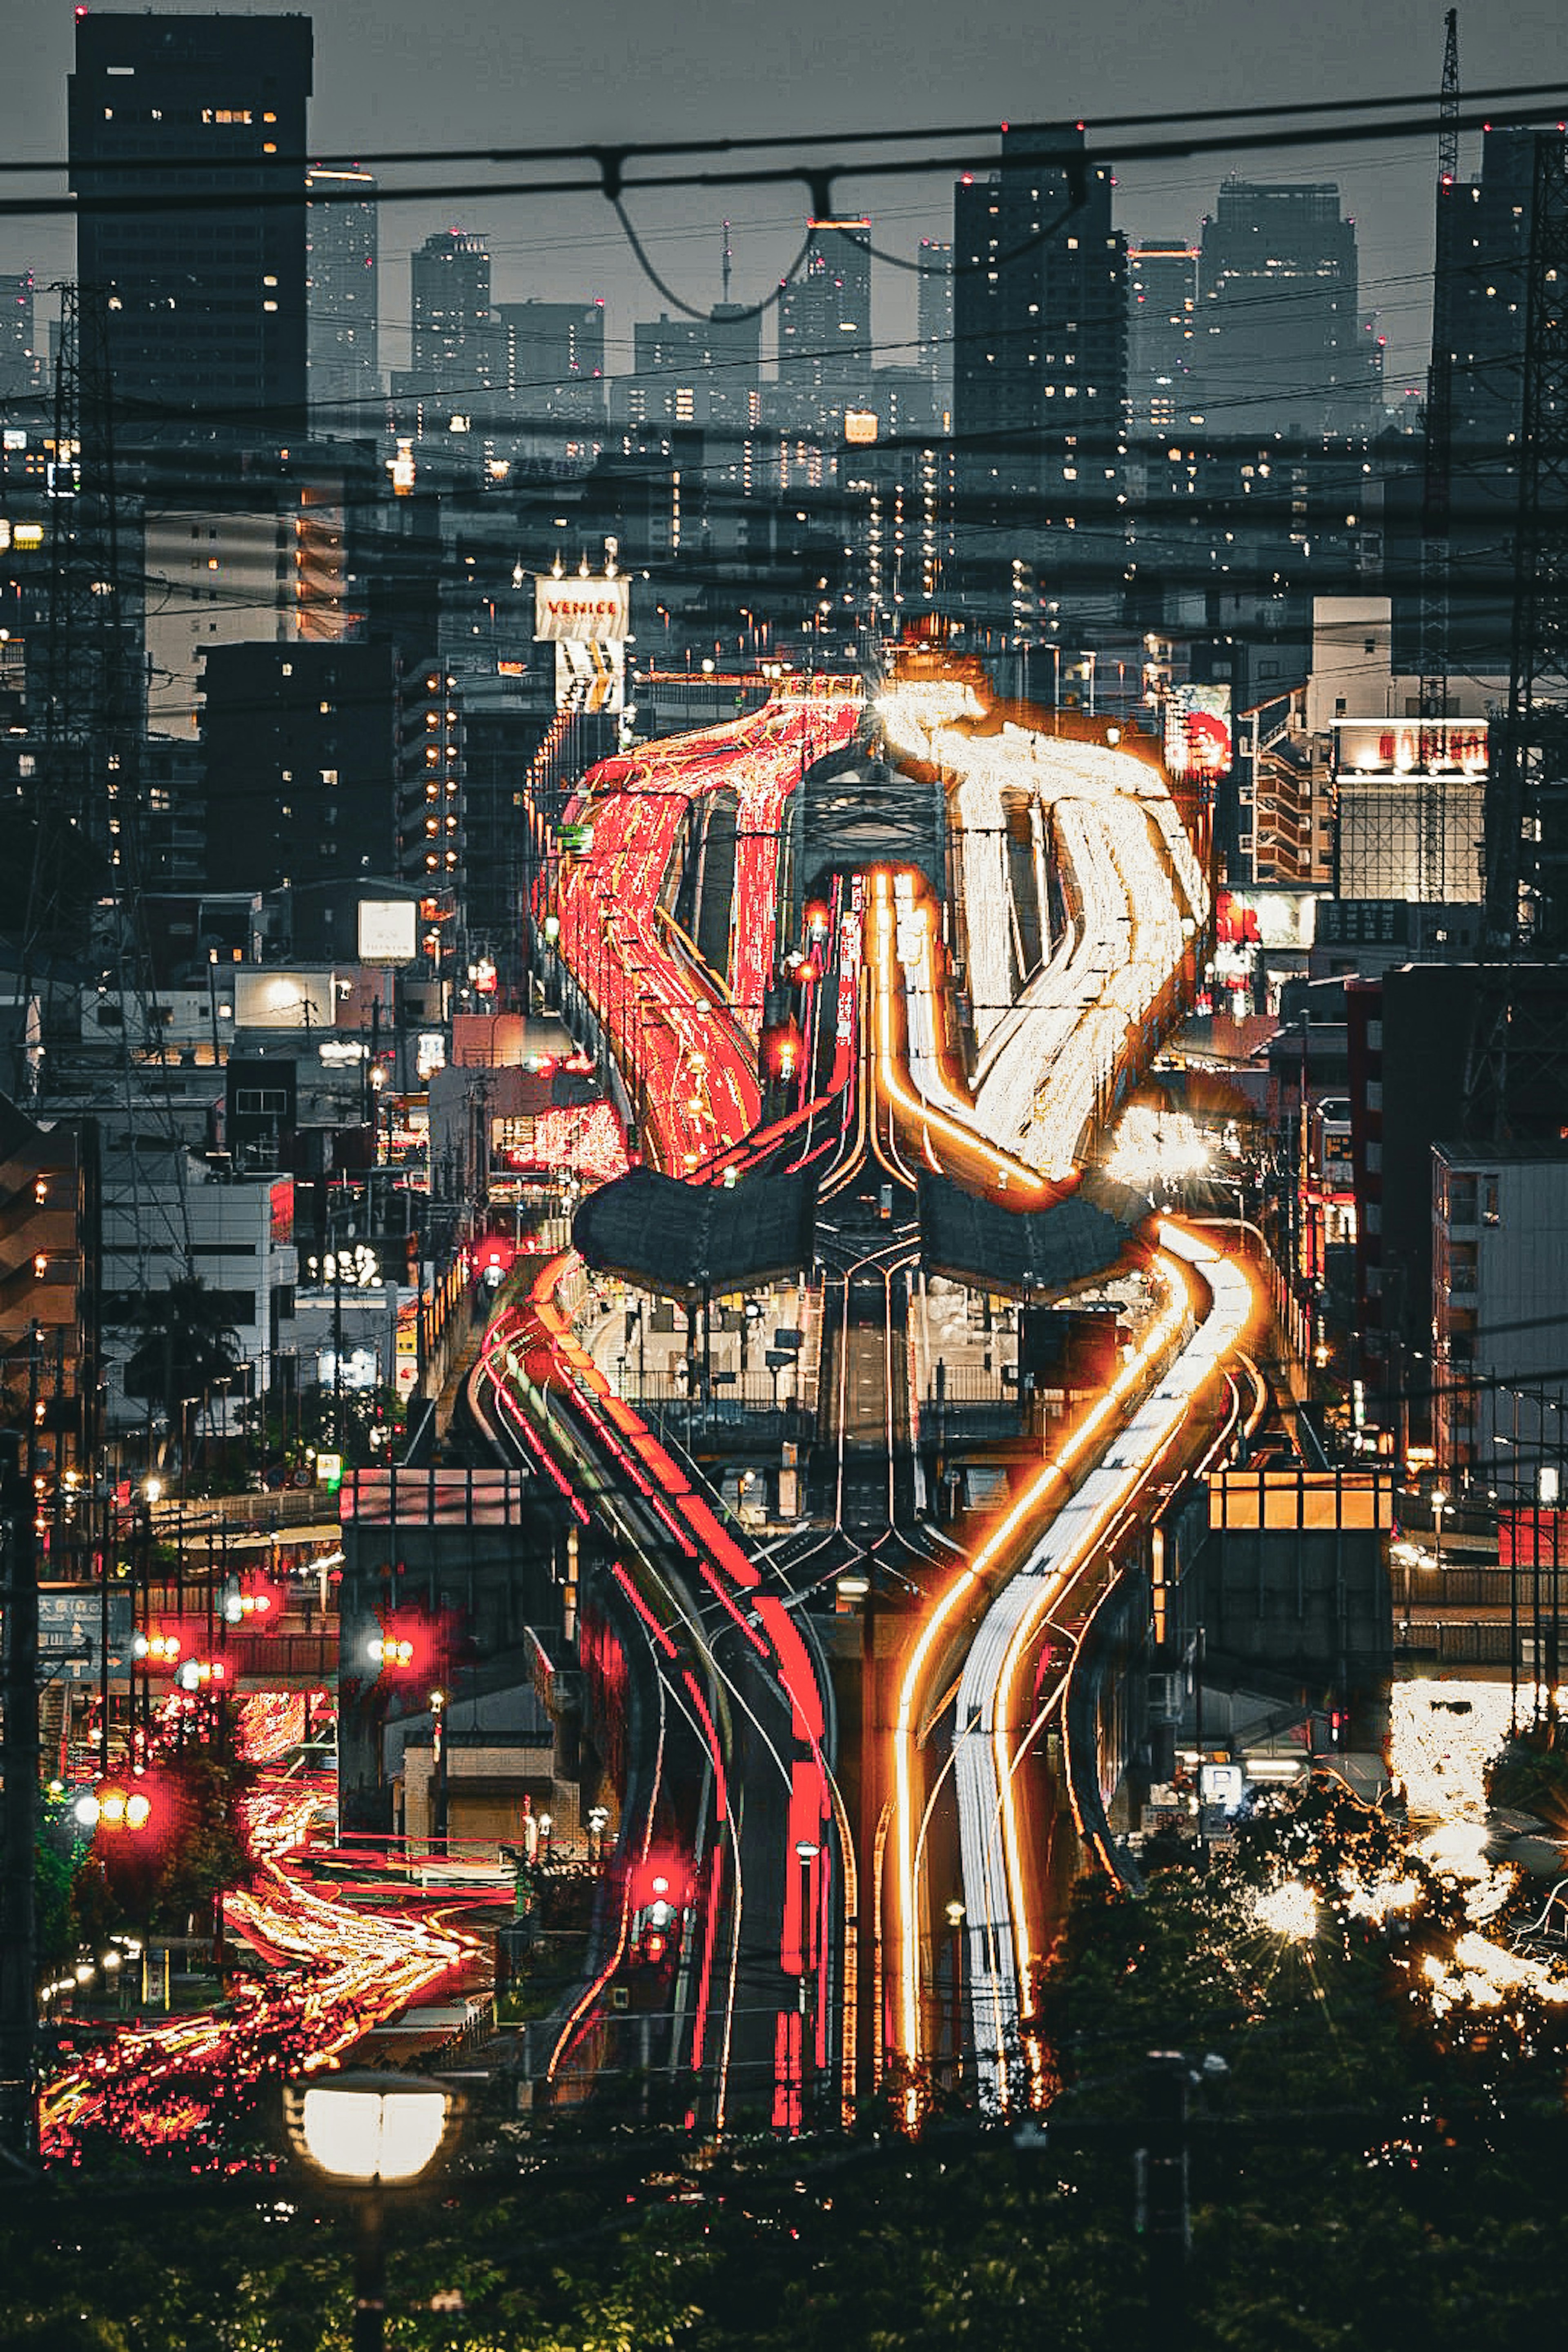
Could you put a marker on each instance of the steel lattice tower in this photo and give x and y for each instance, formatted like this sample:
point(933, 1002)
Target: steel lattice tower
point(1527, 788)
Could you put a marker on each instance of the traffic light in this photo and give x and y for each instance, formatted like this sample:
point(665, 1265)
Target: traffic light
point(399, 1647)
point(659, 1897)
point(110, 1807)
point(197, 1673)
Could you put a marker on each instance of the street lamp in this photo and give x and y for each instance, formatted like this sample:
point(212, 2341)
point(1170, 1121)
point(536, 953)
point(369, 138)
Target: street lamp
point(364, 2133)
point(805, 1852)
point(1439, 1504)
point(955, 1927)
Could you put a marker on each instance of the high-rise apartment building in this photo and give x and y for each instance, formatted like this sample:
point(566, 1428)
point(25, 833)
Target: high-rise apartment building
point(552, 359)
point(1161, 331)
point(455, 345)
point(1039, 375)
point(933, 317)
point(1279, 343)
point(299, 745)
point(695, 370)
point(207, 286)
point(825, 312)
point(343, 282)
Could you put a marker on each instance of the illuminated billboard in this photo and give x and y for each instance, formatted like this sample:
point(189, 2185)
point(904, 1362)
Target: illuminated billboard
point(1416, 746)
point(1197, 731)
point(386, 929)
point(581, 612)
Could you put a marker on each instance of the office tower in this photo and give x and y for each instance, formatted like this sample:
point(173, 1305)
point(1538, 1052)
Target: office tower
point(1162, 322)
point(207, 287)
point(21, 372)
point(695, 370)
point(455, 337)
point(552, 359)
point(1040, 376)
point(343, 283)
point(825, 312)
point(1280, 343)
point(933, 317)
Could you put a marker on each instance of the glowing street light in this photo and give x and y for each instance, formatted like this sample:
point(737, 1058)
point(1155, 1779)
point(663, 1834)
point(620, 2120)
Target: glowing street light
point(364, 2133)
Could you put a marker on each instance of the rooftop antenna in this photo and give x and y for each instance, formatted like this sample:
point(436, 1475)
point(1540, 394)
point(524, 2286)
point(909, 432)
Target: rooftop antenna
point(727, 261)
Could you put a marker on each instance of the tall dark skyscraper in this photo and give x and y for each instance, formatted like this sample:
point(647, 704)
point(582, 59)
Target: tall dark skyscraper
point(825, 312)
point(1039, 374)
point(455, 344)
point(1280, 343)
point(207, 304)
point(344, 284)
point(1161, 331)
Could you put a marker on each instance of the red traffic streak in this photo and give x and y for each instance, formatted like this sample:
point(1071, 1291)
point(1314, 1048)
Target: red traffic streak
point(338, 1972)
point(688, 1036)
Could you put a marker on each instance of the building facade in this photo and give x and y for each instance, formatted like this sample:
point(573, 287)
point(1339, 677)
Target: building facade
point(298, 744)
point(207, 324)
point(343, 286)
point(825, 312)
point(1161, 333)
point(1279, 341)
point(1039, 380)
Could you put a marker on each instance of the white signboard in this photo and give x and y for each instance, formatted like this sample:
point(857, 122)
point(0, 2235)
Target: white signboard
point(386, 929)
point(590, 677)
point(581, 612)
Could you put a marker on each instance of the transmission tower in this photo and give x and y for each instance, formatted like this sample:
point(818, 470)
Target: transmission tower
point(1435, 548)
point(1527, 785)
point(92, 720)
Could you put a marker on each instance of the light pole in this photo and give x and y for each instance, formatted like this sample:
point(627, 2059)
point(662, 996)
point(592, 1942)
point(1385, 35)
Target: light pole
point(365, 2133)
point(806, 1853)
point(955, 1928)
point(1439, 1504)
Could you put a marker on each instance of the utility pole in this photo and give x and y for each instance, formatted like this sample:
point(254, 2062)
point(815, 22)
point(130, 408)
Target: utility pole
point(1164, 2213)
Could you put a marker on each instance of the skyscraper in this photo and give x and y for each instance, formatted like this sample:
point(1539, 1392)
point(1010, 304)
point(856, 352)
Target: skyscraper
point(554, 359)
point(344, 287)
point(207, 287)
point(934, 318)
point(1039, 374)
point(825, 312)
point(695, 370)
point(455, 337)
point(1280, 343)
point(1161, 329)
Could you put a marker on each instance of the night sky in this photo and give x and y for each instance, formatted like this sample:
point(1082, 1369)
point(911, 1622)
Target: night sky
point(393, 74)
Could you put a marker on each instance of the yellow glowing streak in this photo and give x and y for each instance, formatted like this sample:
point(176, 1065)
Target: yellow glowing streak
point(1032, 1500)
point(1165, 1329)
point(915, 1108)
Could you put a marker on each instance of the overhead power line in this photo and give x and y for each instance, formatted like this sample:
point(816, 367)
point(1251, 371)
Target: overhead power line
point(1548, 95)
point(609, 178)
